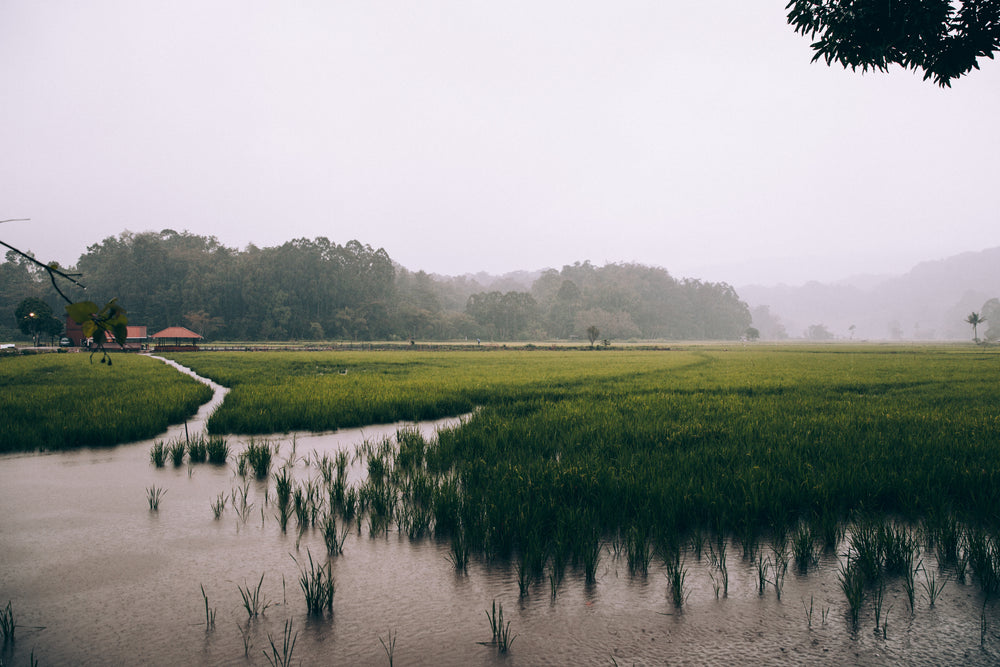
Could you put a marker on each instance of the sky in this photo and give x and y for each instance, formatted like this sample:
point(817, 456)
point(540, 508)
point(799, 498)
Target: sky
point(466, 136)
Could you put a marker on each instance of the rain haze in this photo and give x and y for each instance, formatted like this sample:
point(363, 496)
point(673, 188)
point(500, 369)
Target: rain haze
point(473, 136)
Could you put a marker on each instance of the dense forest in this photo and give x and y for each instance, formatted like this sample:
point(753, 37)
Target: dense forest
point(319, 290)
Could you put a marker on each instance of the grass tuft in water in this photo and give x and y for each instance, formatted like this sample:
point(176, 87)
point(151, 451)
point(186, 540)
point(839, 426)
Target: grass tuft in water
point(217, 449)
point(282, 658)
point(7, 623)
point(317, 586)
point(153, 495)
point(176, 449)
point(219, 506)
point(501, 631)
point(158, 454)
point(209, 613)
point(390, 646)
point(254, 602)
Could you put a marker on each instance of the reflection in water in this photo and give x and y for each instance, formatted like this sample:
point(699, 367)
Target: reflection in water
point(94, 577)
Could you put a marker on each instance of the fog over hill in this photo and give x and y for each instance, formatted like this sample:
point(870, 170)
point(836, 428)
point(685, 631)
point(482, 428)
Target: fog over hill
point(930, 302)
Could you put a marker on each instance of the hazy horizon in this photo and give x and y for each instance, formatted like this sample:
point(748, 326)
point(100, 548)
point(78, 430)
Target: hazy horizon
point(463, 137)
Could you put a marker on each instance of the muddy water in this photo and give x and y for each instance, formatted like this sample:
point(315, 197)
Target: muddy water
point(95, 577)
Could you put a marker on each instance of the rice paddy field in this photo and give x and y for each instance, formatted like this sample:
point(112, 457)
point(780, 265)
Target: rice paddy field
point(61, 401)
point(780, 504)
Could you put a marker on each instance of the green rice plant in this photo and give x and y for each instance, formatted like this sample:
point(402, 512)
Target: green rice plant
point(197, 449)
point(868, 553)
point(899, 547)
point(317, 586)
point(254, 601)
point(852, 583)
point(780, 566)
point(158, 454)
point(718, 558)
point(762, 566)
point(7, 623)
point(809, 611)
point(283, 657)
point(591, 557)
point(524, 577)
point(983, 556)
point(909, 584)
point(283, 495)
point(638, 551)
point(218, 450)
point(334, 542)
point(803, 547)
point(881, 625)
point(54, 402)
point(219, 506)
point(176, 450)
point(459, 554)
point(676, 576)
point(242, 464)
point(258, 456)
point(240, 498)
point(390, 646)
point(502, 636)
point(209, 613)
point(932, 586)
point(153, 495)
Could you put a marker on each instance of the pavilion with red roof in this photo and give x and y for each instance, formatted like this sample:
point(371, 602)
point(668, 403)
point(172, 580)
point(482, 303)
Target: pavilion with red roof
point(176, 334)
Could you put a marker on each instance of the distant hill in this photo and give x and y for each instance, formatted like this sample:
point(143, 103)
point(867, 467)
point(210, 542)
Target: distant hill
point(930, 302)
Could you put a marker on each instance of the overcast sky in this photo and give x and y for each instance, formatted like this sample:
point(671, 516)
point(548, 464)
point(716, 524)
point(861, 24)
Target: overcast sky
point(465, 135)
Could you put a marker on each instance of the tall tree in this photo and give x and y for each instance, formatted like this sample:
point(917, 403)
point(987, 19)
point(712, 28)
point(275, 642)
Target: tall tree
point(942, 38)
point(975, 320)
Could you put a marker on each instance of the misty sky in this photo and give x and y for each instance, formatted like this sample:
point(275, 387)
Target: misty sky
point(466, 135)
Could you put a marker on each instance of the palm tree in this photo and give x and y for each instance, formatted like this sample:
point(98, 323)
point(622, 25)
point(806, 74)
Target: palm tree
point(975, 320)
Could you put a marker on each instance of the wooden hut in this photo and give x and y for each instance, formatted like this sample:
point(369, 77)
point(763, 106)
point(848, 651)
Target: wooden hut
point(176, 339)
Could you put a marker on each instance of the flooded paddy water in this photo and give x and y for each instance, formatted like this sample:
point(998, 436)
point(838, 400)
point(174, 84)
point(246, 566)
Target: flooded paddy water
point(96, 577)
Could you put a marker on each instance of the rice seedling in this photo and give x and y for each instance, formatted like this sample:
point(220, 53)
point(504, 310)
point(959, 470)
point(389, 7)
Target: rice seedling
point(334, 542)
point(852, 583)
point(638, 551)
point(459, 554)
point(218, 450)
point(803, 546)
point(258, 457)
point(761, 567)
point(317, 586)
point(524, 577)
point(780, 566)
point(209, 613)
point(909, 586)
point(879, 601)
point(718, 557)
point(502, 636)
point(219, 506)
point(8, 623)
point(176, 450)
point(254, 601)
point(591, 557)
point(983, 556)
point(983, 625)
point(153, 495)
point(158, 454)
point(282, 658)
point(676, 576)
point(197, 449)
point(240, 498)
point(932, 586)
point(390, 646)
point(283, 496)
point(809, 611)
point(246, 637)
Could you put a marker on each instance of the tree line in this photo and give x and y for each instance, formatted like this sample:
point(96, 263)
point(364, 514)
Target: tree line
point(315, 289)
